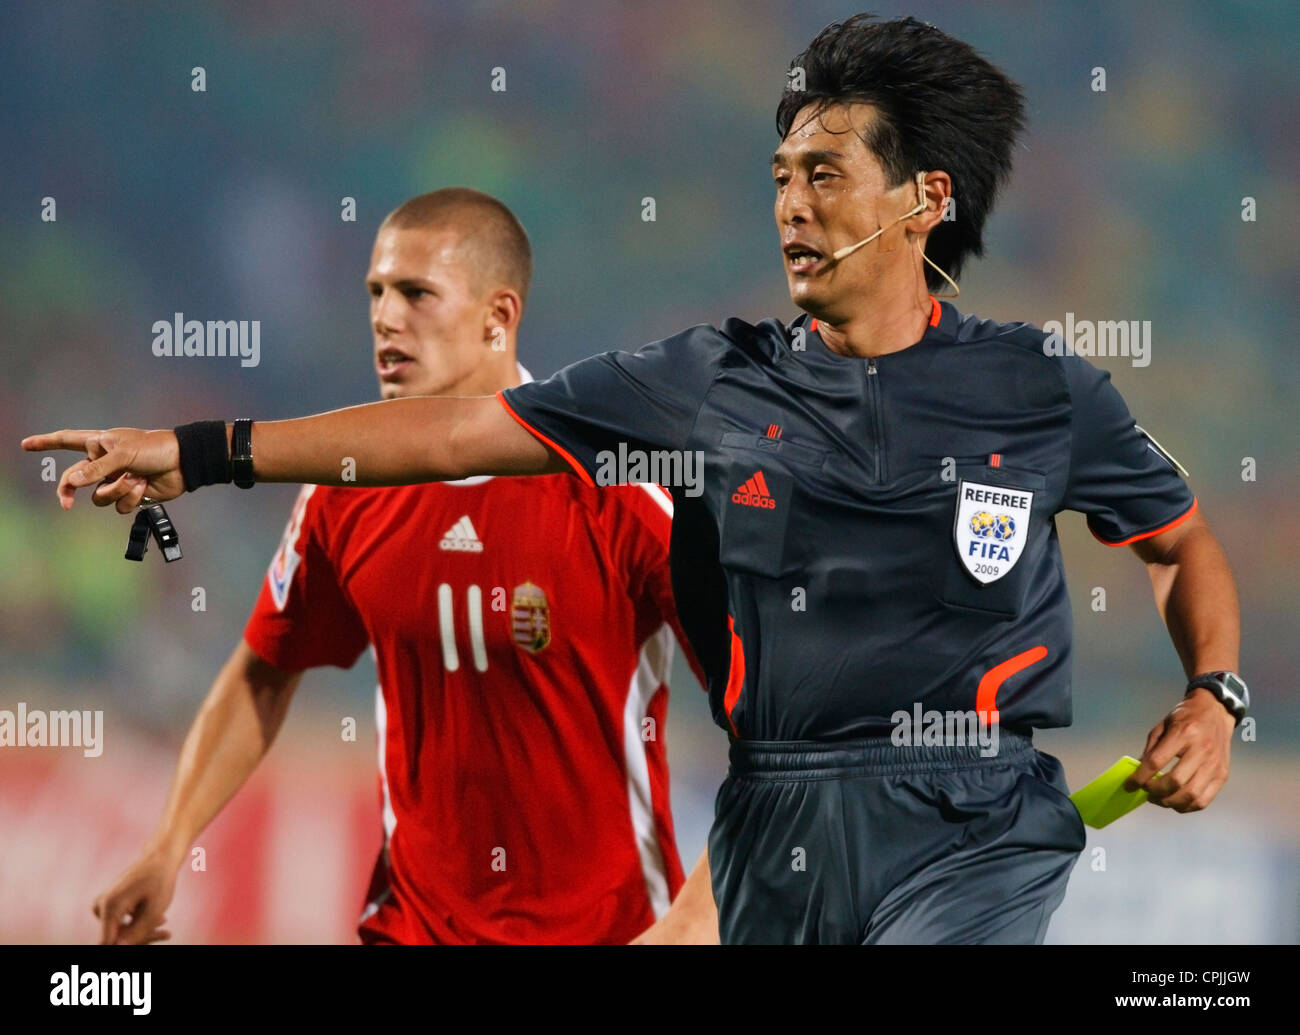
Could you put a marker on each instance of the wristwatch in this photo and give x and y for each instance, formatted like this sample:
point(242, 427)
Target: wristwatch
point(1228, 687)
point(241, 454)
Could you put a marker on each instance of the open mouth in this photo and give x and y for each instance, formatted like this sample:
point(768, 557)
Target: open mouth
point(800, 258)
point(391, 361)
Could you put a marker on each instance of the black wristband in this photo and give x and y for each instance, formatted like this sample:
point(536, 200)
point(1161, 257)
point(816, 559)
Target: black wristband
point(205, 453)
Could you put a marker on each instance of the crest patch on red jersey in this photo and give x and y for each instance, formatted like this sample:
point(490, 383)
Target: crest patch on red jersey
point(530, 618)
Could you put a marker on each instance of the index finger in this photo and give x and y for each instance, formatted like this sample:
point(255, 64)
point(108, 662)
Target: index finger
point(1158, 757)
point(106, 911)
point(58, 440)
point(1153, 738)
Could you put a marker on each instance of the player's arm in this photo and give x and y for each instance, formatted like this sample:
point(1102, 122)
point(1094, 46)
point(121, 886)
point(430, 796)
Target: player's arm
point(233, 730)
point(692, 919)
point(396, 442)
point(1197, 598)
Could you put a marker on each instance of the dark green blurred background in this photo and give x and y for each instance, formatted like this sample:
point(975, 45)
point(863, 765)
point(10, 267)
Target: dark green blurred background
point(225, 204)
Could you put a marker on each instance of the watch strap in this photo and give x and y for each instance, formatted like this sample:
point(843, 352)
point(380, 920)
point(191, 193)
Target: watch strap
point(241, 454)
point(1228, 687)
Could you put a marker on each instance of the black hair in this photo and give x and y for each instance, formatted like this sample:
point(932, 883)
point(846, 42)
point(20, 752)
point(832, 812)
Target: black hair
point(939, 104)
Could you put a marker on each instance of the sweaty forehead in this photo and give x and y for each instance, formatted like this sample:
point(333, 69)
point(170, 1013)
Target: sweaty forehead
point(840, 127)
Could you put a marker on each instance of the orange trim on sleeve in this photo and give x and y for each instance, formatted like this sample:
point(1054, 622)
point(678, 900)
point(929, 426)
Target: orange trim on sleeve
point(735, 675)
point(986, 697)
point(578, 469)
point(1147, 535)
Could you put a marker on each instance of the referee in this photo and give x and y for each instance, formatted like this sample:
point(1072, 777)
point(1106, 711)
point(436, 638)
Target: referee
point(875, 539)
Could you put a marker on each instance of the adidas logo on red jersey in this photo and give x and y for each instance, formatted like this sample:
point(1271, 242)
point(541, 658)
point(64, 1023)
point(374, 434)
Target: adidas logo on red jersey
point(461, 536)
point(754, 493)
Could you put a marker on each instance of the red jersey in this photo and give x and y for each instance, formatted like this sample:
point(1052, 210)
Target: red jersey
point(523, 630)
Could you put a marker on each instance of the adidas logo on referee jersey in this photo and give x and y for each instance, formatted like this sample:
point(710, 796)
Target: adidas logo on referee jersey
point(461, 536)
point(754, 493)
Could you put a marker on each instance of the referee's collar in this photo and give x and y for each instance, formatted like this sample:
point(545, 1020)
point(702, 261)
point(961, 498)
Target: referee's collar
point(944, 320)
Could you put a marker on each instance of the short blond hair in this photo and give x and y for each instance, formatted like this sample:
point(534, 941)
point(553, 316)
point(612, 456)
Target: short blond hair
point(491, 238)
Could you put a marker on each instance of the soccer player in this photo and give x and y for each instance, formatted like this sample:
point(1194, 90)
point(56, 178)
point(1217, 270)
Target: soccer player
point(522, 629)
point(876, 536)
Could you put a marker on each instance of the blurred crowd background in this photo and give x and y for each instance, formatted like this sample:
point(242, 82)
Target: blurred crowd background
point(225, 204)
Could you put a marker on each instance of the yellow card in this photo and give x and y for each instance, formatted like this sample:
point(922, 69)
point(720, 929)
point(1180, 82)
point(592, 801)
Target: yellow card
point(1104, 800)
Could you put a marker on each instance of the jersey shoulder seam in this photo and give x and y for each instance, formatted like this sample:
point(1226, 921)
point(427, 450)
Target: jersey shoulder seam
point(1025, 332)
point(717, 373)
point(726, 333)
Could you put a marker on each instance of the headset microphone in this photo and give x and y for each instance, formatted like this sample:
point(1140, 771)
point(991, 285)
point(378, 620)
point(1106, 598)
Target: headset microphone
point(848, 250)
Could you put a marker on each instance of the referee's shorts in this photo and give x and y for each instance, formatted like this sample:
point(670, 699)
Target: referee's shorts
point(865, 842)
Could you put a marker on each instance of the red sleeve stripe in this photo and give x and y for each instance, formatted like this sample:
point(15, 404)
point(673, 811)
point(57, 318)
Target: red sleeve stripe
point(578, 469)
point(1147, 535)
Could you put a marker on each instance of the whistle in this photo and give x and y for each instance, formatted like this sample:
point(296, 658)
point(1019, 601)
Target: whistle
point(152, 520)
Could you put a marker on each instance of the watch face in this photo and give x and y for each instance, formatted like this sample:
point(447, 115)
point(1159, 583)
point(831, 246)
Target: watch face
point(1229, 688)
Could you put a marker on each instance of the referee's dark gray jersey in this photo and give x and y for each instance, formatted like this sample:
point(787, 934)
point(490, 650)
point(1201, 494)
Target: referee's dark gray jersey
point(872, 535)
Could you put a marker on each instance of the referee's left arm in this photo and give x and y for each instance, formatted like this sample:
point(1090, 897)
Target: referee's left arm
point(1197, 598)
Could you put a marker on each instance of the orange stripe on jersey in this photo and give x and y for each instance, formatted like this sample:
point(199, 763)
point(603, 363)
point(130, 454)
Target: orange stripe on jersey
point(735, 675)
point(1147, 535)
point(762, 483)
point(578, 469)
point(986, 697)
